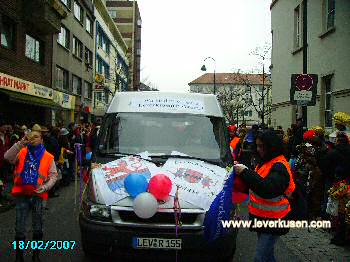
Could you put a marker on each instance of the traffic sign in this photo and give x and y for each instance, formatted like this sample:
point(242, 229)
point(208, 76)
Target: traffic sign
point(303, 89)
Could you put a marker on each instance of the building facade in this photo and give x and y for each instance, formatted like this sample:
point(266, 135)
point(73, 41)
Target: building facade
point(73, 63)
point(328, 56)
point(111, 61)
point(127, 17)
point(27, 29)
point(241, 95)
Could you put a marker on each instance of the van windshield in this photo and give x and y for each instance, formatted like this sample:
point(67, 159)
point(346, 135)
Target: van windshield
point(197, 136)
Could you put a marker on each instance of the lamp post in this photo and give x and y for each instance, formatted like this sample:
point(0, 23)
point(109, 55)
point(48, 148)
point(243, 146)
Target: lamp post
point(203, 68)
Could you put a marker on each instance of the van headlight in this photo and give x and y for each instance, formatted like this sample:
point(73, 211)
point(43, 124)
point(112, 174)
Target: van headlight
point(96, 211)
point(100, 211)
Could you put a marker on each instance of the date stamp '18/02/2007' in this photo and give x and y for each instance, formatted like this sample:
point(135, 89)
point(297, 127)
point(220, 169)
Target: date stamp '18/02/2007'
point(42, 245)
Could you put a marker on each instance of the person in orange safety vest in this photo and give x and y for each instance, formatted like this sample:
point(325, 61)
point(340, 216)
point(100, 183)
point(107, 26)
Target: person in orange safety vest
point(269, 185)
point(34, 175)
point(235, 145)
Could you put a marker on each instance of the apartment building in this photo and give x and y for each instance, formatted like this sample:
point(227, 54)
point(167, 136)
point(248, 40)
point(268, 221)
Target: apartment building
point(240, 95)
point(27, 29)
point(73, 63)
point(111, 69)
point(126, 15)
point(328, 56)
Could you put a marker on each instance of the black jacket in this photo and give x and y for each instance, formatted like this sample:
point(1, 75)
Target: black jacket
point(273, 185)
point(337, 162)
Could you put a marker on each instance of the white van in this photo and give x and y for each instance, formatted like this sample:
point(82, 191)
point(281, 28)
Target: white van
point(157, 126)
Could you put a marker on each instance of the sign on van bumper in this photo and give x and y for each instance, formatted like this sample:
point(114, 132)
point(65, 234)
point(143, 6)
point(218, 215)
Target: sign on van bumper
point(140, 242)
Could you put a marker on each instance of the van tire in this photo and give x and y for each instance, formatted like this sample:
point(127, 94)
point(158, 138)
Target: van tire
point(91, 249)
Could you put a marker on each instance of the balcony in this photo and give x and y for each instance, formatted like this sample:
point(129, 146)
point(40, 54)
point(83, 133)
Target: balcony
point(44, 15)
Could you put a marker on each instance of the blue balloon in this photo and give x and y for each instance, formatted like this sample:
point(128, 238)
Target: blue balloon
point(88, 156)
point(135, 184)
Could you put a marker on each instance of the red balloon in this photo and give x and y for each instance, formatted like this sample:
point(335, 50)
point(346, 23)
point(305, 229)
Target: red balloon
point(160, 186)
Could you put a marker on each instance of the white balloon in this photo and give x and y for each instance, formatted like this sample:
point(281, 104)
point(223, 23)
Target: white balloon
point(145, 205)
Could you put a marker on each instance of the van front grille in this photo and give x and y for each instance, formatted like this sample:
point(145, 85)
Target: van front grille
point(158, 218)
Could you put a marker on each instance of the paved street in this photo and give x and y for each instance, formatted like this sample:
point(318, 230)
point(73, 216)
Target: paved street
point(62, 224)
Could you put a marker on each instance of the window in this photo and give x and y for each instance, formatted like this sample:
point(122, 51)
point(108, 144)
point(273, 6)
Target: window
point(33, 49)
point(78, 12)
point(7, 39)
point(99, 65)
point(63, 37)
point(330, 12)
point(99, 96)
point(88, 25)
point(106, 70)
point(297, 27)
point(102, 40)
point(62, 78)
point(113, 13)
point(106, 98)
point(88, 57)
point(247, 113)
point(76, 85)
point(102, 67)
point(87, 90)
point(66, 3)
point(328, 101)
point(77, 47)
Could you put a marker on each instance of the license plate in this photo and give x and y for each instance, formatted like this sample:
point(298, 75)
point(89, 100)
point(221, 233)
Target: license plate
point(156, 243)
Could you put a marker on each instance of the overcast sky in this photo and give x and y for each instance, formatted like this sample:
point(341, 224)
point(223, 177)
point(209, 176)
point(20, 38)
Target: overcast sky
point(177, 35)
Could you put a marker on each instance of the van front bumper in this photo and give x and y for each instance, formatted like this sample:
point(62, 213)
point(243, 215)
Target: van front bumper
point(119, 240)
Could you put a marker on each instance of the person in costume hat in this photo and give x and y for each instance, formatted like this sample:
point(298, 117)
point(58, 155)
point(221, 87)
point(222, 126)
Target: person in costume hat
point(338, 162)
point(341, 122)
point(34, 175)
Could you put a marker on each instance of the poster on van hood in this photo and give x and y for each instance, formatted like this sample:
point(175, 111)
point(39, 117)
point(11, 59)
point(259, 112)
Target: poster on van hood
point(198, 182)
point(110, 177)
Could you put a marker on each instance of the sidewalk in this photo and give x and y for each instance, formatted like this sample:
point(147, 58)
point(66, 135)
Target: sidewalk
point(310, 246)
point(6, 206)
point(315, 246)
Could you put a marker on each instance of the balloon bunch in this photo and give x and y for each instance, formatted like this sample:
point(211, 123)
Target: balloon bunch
point(147, 194)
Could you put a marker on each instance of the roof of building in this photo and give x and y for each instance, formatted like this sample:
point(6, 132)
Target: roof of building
point(232, 78)
point(144, 87)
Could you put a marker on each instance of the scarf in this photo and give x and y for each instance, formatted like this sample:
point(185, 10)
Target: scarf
point(31, 165)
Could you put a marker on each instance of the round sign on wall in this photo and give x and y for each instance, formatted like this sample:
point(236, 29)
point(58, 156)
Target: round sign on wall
point(304, 82)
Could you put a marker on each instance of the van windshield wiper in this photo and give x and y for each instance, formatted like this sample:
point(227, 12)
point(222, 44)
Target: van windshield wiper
point(210, 161)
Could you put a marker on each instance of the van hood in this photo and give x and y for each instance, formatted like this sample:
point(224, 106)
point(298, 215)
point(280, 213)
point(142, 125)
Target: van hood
point(197, 182)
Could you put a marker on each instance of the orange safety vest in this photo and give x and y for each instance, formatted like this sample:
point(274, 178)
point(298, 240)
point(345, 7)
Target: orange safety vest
point(44, 167)
point(277, 207)
point(233, 148)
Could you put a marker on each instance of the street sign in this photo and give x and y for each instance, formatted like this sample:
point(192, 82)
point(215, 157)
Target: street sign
point(99, 87)
point(303, 89)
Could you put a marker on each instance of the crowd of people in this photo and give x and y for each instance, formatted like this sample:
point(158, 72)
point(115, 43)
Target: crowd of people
point(59, 141)
point(271, 163)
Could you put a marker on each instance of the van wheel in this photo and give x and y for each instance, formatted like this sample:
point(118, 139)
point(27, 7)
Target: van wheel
point(91, 249)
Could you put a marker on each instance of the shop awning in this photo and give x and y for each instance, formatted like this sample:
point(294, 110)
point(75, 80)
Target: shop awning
point(32, 100)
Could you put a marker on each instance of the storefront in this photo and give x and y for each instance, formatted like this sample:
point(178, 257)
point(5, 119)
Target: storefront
point(99, 98)
point(24, 102)
point(65, 114)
